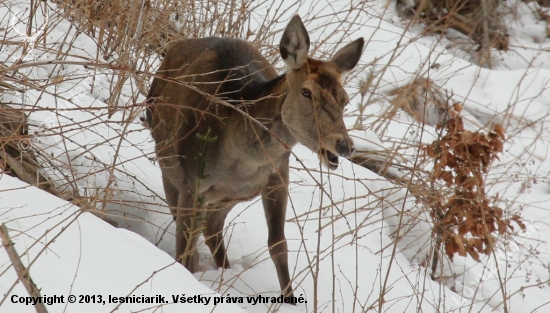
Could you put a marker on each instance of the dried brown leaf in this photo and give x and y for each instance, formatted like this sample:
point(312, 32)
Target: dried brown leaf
point(502, 227)
point(516, 218)
point(430, 151)
point(499, 130)
point(459, 245)
point(469, 182)
point(468, 137)
point(489, 242)
point(450, 248)
point(497, 145)
point(473, 253)
point(498, 212)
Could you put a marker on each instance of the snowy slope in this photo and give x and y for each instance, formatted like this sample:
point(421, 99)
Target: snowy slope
point(75, 253)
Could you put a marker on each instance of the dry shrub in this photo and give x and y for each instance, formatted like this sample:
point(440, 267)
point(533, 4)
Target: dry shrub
point(13, 128)
point(544, 15)
point(477, 19)
point(131, 33)
point(542, 3)
point(17, 157)
point(421, 99)
point(123, 27)
point(466, 219)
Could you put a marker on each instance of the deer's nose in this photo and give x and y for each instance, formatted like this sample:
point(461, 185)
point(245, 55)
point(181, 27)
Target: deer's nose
point(345, 147)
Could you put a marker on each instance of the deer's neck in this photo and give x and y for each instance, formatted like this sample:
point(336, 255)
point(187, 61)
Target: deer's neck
point(267, 108)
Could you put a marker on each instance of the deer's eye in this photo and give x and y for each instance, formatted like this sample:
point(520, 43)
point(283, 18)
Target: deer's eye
point(306, 93)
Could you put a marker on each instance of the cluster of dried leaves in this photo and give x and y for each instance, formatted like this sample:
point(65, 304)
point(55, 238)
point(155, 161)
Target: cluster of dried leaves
point(466, 220)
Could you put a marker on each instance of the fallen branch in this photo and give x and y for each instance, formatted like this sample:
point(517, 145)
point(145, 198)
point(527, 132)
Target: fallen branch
point(22, 271)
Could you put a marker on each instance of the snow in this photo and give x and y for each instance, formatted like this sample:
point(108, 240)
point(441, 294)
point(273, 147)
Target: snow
point(74, 253)
point(342, 225)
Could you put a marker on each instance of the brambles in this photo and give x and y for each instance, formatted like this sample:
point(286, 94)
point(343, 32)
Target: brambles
point(466, 219)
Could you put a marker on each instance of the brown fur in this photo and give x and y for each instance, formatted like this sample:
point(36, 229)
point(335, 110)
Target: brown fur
point(203, 179)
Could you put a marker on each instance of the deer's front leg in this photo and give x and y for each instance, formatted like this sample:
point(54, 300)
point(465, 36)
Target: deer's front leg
point(275, 198)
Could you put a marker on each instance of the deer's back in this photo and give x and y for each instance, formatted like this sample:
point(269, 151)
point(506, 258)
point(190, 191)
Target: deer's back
point(233, 63)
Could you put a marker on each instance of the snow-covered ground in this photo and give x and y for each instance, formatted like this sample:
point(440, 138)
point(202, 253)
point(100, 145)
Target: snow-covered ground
point(342, 225)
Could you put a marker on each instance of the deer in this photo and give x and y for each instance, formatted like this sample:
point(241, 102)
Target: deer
point(224, 123)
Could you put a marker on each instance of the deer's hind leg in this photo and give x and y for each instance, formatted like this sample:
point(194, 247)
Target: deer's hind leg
point(215, 219)
point(172, 194)
point(189, 224)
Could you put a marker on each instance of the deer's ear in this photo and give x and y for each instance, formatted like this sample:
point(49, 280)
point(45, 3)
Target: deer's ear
point(348, 57)
point(294, 44)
